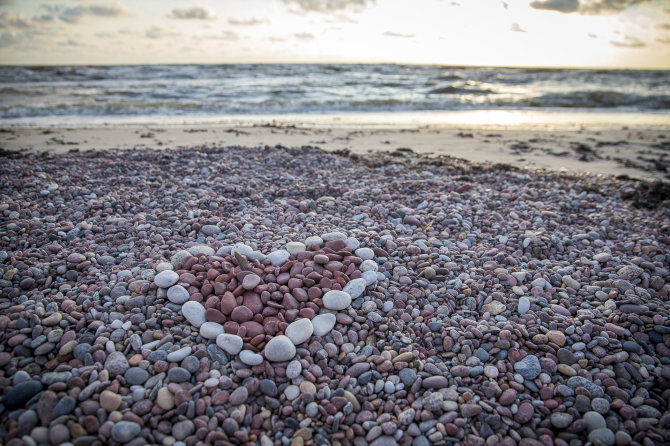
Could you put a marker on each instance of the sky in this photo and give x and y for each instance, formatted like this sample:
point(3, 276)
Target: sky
point(563, 33)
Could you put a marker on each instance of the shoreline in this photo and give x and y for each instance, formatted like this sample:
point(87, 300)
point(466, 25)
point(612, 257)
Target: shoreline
point(637, 152)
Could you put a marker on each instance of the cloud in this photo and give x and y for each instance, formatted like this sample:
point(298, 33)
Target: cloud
point(71, 42)
point(663, 26)
point(9, 19)
point(328, 5)
point(156, 32)
point(9, 38)
point(230, 35)
point(586, 6)
point(517, 28)
point(629, 42)
point(394, 34)
point(303, 36)
point(5, 2)
point(246, 22)
point(556, 5)
point(77, 13)
point(665, 41)
point(192, 13)
point(593, 36)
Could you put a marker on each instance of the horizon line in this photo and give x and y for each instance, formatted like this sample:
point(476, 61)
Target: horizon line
point(541, 67)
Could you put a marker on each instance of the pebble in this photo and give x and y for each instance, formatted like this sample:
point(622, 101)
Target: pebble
point(177, 294)
point(278, 257)
point(528, 367)
point(250, 358)
point(210, 330)
point(166, 278)
point(279, 348)
point(323, 324)
point(230, 343)
point(124, 431)
point(299, 331)
point(194, 313)
point(524, 305)
point(336, 300)
point(406, 354)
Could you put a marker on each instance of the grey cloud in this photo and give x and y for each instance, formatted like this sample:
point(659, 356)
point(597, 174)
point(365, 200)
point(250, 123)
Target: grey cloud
point(394, 34)
point(246, 22)
point(78, 13)
point(225, 35)
point(230, 35)
point(556, 5)
point(586, 6)
point(663, 26)
point(156, 32)
point(328, 5)
point(13, 20)
point(9, 38)
point(517, 28)
point(665, 41)
point(629, 42)
point(5, 2)
point(303, 36)
point(193, 13)
point(71, 42)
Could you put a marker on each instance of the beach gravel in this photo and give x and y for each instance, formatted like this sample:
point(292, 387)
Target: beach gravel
point(289, 296)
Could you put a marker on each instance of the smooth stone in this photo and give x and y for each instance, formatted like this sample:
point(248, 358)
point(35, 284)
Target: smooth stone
point(313, 240)
point(21, 394)
point(179, 257)
point(194, 313)
point(177, 294)
point(295, 247)
point(370, 277)
point(201, 249)
point(279, 348)
point(365, 253)
point(524, 305)
point(210, 330)
point(299, 331)
point(230, 343)
point(250, 281)
point(182, 429)
point(355, 287)
point(179, 375)
point(110, 401)
point(166, 278)
point(602, 437)
point(494, 307)
point(323, 323)
point(293, 369)
point(124, 431)
point(241, 248)
point(336, 300)
point(136, 376)
point(210, 230)
point(250, 358)
point(165, 399)
point(179, 355)
point(278, 257)
point(557, 337)
point(594, 420)
point(332, 236)
point(528, 367)
point(65, 406)
point(560, 420)
point(368, 265)
point(239, 396)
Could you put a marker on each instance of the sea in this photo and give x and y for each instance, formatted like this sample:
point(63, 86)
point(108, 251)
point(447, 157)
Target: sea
point(329, 93)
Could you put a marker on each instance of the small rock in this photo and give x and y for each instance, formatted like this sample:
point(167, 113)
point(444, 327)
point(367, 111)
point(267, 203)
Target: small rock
point(210, 330)
point(299, 331)
point(528, 367)
point(323, 323)
point(336, 300)
point(165, 279)
point(250, 358)
point(278, 257)
point(124, 431)
point(279, 348)
point(355, 287)
point(110, 401)
point(194, 313)
point(177, 294)
point(230, 343)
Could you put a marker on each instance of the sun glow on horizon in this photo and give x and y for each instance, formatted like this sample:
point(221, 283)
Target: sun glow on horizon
point(488, 33)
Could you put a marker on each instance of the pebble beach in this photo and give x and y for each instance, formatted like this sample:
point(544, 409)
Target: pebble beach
point(292, 296)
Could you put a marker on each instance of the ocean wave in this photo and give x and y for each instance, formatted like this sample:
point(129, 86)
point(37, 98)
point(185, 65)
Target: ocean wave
point(599, 99)
point(454, 90)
